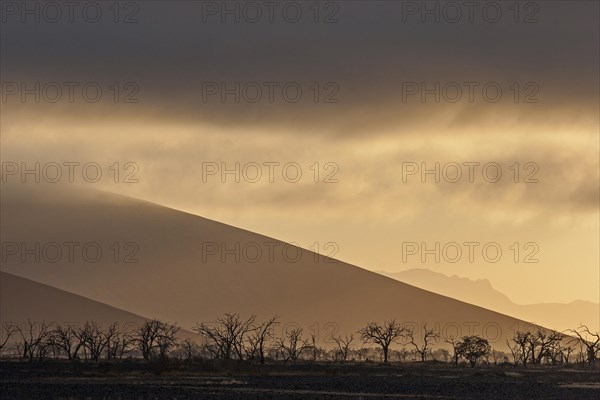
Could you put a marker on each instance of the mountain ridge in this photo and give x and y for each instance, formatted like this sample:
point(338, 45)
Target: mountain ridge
point(560, 316)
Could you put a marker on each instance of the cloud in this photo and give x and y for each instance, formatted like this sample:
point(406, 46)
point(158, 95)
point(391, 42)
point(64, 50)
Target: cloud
point(368, 58)
point(377, 67)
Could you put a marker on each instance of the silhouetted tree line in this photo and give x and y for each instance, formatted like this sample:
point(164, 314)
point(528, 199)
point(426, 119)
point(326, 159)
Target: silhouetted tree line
point(550, 347)
point(232, 337)
point(153, 339)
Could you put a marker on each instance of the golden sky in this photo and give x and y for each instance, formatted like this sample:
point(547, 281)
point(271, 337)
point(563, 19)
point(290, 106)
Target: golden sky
point(369, 61)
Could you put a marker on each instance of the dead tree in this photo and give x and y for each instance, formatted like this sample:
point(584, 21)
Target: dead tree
point(33, 340)
point(314, 348)
point(166, 339)
point(226, 336)
point(402, 354)
point(566, 352)
point(291, 345)
point(190, 350)
point(95, 339)
point(429, 336)
point(589, 340)
point(533, 347)
point(382, 335)
point(514, 350)
point(64, 338)
point(453, 341)
point(361, 353)
point(119, 344)
point(258, 339)
point(555, 350)
point(146, 337)
point(343, 345)
point(540, 342)
point(154, 338)
point(521, 349)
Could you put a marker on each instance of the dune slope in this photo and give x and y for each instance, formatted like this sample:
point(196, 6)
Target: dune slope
point(192, 269)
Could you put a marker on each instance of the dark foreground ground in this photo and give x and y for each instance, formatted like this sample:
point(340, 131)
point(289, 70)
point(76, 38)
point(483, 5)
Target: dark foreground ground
point(53, 380)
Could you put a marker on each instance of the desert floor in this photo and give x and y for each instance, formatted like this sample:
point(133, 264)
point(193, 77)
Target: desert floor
point(22, 380)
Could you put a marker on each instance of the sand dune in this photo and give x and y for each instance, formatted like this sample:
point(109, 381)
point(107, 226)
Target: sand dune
point(179, 278)
point(23, 301)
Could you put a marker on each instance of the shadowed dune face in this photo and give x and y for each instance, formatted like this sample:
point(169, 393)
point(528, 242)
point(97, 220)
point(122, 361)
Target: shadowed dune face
point(23, 301)
point(191, 269)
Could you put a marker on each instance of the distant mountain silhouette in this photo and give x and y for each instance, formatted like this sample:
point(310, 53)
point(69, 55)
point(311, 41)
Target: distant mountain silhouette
point(558, 316)
point(178, 280)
